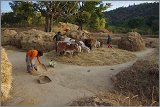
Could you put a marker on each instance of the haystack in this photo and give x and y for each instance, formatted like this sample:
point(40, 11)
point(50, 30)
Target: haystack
point(11, 37)
point(132, 42)
point(62, 26)
point(77, 33)
point(35, 39)
point(68, 26)
point(6, 76)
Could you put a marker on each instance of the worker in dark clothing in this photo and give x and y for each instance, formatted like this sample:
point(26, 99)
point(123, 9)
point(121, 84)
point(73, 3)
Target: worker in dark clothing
point(57, 37)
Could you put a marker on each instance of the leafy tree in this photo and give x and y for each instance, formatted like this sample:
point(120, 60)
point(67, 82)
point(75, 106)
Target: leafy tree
point(102, 23)
point(86, 11)
point(52, 9)
point(82, 17)
point(48, 9)
point(11, 19)
point(22, 8)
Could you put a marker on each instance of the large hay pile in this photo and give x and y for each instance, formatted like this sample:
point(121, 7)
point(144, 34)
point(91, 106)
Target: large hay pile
point(6, 76)
point(62, 26)
point(11, 37)
point(98, 56)
point(68, 26)
point(37, 40)
point(132, 42)
point(141, 79)
point(31, 39)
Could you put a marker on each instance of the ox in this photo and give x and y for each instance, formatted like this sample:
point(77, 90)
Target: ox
point(63, 47)
point(84, 47)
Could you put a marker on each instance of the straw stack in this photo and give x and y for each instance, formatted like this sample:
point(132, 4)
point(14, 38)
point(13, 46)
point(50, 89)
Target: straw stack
point(132, 42)
point(6, 76)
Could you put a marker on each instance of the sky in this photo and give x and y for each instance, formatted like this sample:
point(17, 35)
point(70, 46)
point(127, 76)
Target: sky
point(6, 8)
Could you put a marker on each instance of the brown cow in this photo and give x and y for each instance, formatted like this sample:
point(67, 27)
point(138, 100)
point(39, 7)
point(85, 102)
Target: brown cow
point(90, 42)
point(63, 47)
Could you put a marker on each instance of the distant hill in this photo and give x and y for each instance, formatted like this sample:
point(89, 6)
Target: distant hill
point(122, 14)
point(142, 18)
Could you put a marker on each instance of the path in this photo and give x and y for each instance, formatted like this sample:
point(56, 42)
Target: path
point(69, 82)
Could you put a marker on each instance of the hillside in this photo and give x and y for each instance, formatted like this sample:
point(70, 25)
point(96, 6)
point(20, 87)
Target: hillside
point(122, 14)
point(142, 18)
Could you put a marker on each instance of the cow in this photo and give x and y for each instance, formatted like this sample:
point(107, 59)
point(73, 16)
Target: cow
point(84, 47)
point(63, 47)
point(90, 43)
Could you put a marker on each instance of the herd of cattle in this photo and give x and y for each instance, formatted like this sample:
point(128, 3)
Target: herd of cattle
point(72, 46)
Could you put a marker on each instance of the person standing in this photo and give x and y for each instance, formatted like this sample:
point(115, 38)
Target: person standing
point(30, 59)
point(57, 38)
point(109, 40)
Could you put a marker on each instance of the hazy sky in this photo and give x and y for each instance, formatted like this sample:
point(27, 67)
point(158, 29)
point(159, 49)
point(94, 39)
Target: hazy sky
point(5, 4)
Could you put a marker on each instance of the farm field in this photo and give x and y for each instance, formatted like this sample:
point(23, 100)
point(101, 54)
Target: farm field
point(79, 53)
point(70, 81)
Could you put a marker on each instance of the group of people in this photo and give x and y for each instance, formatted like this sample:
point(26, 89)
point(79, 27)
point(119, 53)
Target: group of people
point(32, 54)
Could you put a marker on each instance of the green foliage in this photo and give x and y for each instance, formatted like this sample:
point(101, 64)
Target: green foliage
point(135, 22)
point(11, 19)
point(143, 18)
point(87, 13)
point(102, 23)
point(96, 24)
point(22, 7)
point(30, 20)
point(90, 12)
point(116, 29)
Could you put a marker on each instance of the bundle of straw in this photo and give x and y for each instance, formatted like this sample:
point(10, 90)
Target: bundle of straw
point(6, 76)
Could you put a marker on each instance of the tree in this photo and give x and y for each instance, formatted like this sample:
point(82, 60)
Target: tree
point(87, 9)
point(82, 17)
point(22, 8)
point(52, 9)
point(10, 18)
point(48, 9)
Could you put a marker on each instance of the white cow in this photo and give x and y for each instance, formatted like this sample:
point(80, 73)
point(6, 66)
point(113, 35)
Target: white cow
point(98, 44)
point(84, 47)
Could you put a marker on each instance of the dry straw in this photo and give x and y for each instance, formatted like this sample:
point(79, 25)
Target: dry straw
point(6, 76)
point(132, 42)
point(98, 56)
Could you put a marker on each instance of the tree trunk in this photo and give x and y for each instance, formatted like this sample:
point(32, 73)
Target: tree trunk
point(51, 23)
point(46, 23)
point(81, 25)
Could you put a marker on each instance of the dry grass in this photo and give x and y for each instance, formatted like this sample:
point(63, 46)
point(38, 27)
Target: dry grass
point(108, 98)
point(98, 56)
point(28, 102)
point(132, 42)
point(141, 79)
point(135, 86)
point(152, 42)
point(6, 76)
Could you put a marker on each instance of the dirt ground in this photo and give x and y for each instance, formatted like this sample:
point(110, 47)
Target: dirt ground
point(69, 82)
